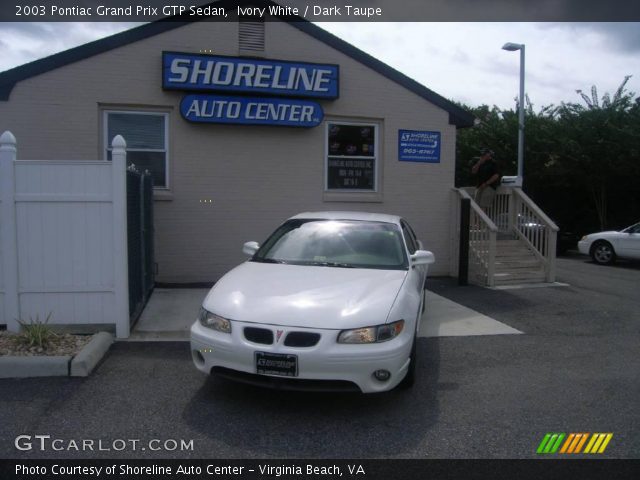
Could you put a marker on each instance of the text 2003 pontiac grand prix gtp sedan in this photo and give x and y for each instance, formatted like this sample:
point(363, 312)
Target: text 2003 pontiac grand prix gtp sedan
point(331, 301)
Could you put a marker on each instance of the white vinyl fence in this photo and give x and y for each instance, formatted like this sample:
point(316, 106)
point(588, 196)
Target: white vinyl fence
point(63, 240)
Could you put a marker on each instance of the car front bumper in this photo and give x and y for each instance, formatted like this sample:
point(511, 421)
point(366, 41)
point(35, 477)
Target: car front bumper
point(325, 361)
point(584, 246)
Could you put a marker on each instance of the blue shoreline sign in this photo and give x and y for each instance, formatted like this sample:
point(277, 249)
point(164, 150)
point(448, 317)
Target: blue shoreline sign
point(237, 75)
point(418, 146)
point(251, 111)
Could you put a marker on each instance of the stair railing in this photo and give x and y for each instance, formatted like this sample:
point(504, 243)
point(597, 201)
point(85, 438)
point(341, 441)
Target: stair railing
point(512, 213)
point(482, 243)
point(536, 229)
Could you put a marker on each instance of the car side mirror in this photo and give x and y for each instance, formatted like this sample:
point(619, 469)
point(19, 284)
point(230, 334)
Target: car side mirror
point(250, 248)
point(422, 257)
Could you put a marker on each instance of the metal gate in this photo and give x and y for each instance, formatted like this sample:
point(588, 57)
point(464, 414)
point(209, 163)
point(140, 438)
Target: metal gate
point(140, 240)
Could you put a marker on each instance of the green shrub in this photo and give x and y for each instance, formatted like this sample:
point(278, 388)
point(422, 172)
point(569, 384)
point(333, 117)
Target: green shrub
point(36, 333)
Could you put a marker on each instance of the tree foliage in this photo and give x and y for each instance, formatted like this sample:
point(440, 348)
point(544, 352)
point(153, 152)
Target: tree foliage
point(581, 161)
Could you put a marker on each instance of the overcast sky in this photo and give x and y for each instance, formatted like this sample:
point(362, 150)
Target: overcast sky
point(460, 61)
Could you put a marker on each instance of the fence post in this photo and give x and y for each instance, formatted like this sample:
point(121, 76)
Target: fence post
point(8, 233)
point(121, 265)
point(463, 262)
point(143, 250)
point(512, 214)
point(491, 261)
point(552, 238)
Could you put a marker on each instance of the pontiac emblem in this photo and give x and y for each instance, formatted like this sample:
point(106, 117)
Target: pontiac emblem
point(278, 335)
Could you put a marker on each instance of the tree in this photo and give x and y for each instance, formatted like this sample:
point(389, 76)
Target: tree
point(600, 145)
point(582, 161)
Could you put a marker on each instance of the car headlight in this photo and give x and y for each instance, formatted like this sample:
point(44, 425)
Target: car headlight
point(583, 238)
point(379, 333)
point(213, 321)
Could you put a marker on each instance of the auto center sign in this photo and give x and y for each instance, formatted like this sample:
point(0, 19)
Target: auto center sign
point(240, 76)
point(251, 111)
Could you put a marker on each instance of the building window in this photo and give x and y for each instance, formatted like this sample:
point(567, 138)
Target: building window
point(146, 137)
point(352, 158)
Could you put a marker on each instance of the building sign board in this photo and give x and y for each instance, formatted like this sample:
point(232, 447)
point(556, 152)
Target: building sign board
point(350, 174)
point(418, 146)
point(187, 71)
point(251, 111)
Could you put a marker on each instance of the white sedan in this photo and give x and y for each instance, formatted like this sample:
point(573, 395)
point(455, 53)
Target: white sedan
point(331, 301)
point(605, 247)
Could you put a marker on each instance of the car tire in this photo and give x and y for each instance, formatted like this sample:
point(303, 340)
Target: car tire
point(603, 253)
point(410, 378)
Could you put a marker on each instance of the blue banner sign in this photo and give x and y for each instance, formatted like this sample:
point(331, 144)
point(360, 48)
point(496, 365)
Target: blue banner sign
point(251, 111)
point(417, 146)
point(186, 71)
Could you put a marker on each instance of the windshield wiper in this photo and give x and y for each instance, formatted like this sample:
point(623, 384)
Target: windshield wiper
point(267, 260)
point(332, 264)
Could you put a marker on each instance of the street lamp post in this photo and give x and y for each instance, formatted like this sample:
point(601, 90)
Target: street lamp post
point(512, 47)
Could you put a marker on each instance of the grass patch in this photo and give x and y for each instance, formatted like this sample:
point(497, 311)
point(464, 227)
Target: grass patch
point(35, 333)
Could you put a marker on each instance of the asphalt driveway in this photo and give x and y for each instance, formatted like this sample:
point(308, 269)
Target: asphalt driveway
point(575, 369)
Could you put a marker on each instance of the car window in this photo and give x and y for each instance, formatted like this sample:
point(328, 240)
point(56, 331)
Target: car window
point(356, 244)
point(412, 243)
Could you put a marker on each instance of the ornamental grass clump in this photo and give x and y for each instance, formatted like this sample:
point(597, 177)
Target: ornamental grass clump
point(36, 333)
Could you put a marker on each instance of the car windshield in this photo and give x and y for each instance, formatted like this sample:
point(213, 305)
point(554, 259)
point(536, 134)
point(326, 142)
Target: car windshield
point(335, 243)
point(632, 229)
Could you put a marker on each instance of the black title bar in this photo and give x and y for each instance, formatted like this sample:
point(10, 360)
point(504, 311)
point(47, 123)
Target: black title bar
point(322, 10)
point(583, 469)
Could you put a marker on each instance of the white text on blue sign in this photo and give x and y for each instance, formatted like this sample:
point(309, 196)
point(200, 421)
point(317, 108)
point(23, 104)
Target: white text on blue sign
point(251, 111)
point(184, 71)
point(418, 146)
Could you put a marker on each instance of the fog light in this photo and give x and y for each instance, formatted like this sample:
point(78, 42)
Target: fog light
point(198, 356)
point(382, 375)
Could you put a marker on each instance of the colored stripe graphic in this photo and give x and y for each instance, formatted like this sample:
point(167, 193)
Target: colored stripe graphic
point(570, 438)
point(574, 443)
point(598, 442)
point(550, 443)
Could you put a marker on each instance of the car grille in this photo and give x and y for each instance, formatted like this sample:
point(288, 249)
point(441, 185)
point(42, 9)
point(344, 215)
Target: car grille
point(285, 383)
point(301, 339)
point(258, 335)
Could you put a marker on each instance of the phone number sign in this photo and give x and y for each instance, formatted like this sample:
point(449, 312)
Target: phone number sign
point(418, 146)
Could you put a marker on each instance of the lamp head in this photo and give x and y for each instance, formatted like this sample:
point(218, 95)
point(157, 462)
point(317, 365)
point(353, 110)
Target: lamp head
point(512, 47)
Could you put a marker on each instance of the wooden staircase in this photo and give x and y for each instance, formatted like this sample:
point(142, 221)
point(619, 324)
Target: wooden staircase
point(516, 263)
point(513, 242)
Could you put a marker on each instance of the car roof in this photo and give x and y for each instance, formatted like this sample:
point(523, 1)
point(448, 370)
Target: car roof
point(360, 216)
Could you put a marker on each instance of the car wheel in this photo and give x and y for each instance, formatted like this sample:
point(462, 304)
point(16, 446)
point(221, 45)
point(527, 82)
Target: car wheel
point(410, 378)
point(602, 253)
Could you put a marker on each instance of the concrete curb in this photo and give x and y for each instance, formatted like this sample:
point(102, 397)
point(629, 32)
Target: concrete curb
point(22, 367)
point(85, 361)
point(44, 366)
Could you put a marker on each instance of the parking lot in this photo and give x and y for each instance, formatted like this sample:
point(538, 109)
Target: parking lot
point(575, 369)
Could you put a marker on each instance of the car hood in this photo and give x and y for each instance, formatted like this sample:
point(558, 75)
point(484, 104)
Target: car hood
point(305, 296)
point(611, 233)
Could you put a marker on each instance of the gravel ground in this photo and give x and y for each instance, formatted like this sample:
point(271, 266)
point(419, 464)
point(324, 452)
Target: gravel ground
point(58, 345)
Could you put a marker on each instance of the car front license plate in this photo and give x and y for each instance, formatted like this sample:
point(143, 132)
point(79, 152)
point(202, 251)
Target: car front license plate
point(281, 364)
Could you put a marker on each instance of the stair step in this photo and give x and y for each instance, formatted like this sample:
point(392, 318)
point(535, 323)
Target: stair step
point(509, 242)
point(524, 255)
point(525, 260)
point(515, 263)
point(514, 278)
point(519, 267)
point(512, 249)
